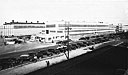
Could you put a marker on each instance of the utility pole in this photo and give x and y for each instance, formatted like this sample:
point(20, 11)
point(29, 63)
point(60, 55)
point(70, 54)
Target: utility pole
point(1, 34)
point(68, 47)
point(65, 29)
point(68, 40)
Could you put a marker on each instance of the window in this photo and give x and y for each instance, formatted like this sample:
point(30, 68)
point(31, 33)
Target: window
point(47, 31)
point(59, 31)
point(16, 27)
point(62, 36)
point(43, 30)
point(57, 36)
point(49, 38)
point(77, 25)
point(80, 30)
point(52, 31)
point(42, 38)
point(62, 25)
point(50, 26)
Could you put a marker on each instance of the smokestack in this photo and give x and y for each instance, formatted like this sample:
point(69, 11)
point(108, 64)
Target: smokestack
point(12, 21)
point(43, 23)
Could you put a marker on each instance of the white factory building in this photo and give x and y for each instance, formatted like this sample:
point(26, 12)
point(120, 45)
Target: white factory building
point(125, 27)
point(53, 31)
point(58, 30)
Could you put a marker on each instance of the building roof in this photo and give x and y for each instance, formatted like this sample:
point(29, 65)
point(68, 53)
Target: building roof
point(22, 23)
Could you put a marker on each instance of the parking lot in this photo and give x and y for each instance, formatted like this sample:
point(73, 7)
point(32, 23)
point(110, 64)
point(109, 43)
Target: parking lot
point(23, 47)
point(73, 46)
point(53, 60)
point(41, 64)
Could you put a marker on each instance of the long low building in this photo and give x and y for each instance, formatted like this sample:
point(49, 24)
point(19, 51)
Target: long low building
point(53, 31)
point(125, 27)
point(76, 29)
point(22, 28)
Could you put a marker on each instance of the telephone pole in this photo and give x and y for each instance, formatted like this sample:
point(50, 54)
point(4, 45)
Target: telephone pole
point(67, 23)
point(68, 40)
point(1, 34)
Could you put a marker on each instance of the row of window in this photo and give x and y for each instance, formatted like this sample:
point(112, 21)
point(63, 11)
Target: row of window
point(75, 30)
point(52, 31)
point(50, 26)
point(16, 27)
point(56, 37)
point(43, 30)
point(63, 25)
point(87, 33)
point(47, 31)
point(125, 25)
point(88, 30)
point(57, 31)
point(60, 25)
point(80, 34)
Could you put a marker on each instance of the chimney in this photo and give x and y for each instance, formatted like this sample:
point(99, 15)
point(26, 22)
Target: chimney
point(12, 21)
point(26, 21)
point(37, 21)
point(5, 22)
point(43, 23)
point(31, 22)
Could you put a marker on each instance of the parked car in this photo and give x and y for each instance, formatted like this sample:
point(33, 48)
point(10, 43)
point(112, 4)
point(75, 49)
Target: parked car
point(7, 63)
point(26, 58)
point(33, 55)
point(40, 55)
point(10, 42)
point(54, 51)
point(71, 47)
point(61, 49)
point(18, 41)
point(81, 44)
point(91, 42)
point(46, 53)
point(82, 38)
point(59, 42)
point(75, 44)
point(65, 42)
point(58, 51)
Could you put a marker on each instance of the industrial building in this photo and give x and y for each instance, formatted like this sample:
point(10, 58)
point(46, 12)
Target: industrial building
point(53, 31)
point(22, 28)
point(59, 30)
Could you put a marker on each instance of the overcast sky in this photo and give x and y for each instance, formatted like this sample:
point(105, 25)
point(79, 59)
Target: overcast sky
point(111, 11)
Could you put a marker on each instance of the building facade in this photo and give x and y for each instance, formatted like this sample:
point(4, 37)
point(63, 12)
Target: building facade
point(59, 30)
point(125, 27)
point(54, 31)
point(22, 28)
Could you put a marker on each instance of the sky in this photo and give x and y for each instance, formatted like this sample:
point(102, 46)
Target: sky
point(109, 11)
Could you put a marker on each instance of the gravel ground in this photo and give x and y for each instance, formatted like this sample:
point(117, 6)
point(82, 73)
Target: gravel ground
point(23, 47)
point(41, 64)
point(105, 61)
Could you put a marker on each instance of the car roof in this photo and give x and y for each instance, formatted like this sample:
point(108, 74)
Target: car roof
point(24, 55)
